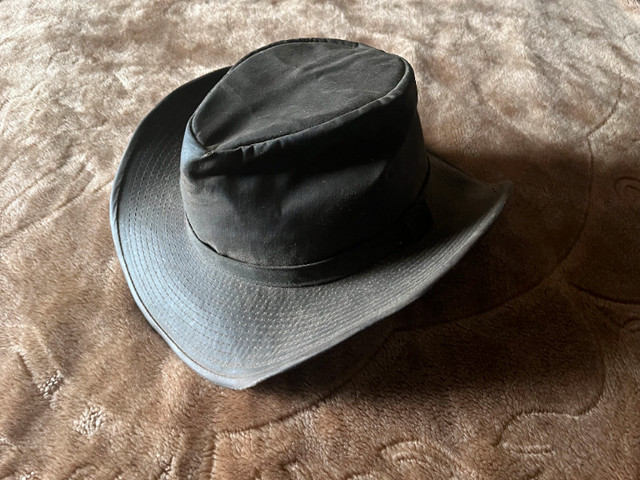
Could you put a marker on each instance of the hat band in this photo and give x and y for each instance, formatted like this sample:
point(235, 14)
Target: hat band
point(412, 225)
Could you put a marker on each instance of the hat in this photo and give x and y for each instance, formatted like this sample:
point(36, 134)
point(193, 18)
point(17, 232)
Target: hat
point(266, 211)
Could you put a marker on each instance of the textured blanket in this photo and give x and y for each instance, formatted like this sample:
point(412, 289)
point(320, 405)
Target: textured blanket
point(523, 362)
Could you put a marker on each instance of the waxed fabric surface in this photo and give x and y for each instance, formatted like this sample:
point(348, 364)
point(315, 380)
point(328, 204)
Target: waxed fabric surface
point(237, 332)
point(303, 150)
point(290, 86)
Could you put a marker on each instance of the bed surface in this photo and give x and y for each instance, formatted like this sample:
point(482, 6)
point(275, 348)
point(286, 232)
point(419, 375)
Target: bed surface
point(523, 362)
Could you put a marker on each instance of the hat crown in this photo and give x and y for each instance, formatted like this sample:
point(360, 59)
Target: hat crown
point(290, 87)
point(302, 150)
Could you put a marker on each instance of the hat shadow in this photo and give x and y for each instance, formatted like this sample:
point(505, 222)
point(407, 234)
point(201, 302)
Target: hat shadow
point(493, 323)
point(408, 352)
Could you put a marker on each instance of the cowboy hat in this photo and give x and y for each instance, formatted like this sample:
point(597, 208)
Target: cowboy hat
point(266, 211)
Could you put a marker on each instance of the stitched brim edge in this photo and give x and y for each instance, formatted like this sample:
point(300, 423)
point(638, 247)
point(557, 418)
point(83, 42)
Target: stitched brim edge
point(236, 333)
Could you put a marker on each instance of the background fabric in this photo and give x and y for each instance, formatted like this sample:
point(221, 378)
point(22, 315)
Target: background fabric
point(524, 362)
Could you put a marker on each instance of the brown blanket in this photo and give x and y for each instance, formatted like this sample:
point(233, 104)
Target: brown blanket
point(523, 362)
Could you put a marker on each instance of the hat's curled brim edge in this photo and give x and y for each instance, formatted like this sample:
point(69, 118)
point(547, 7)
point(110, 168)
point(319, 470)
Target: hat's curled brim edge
point(236, 333)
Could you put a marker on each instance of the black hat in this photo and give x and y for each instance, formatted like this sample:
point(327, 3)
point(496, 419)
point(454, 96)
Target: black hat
point(266, 211)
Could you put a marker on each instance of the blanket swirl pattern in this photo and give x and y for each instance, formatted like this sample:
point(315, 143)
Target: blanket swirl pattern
point(523, 362)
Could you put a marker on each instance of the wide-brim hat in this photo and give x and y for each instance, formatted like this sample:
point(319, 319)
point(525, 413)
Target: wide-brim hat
point(241, 289)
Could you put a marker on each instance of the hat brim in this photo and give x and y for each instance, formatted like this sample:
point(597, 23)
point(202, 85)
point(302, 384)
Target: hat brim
point(235, 332)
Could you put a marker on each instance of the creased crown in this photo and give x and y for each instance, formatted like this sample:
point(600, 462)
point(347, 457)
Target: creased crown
point(304, 149)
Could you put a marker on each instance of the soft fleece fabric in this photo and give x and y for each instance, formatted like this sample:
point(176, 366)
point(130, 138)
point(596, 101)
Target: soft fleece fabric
point(524, 362)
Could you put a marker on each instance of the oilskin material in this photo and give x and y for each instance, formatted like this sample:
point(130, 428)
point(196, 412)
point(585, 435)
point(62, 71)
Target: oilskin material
point(319, 150)
point(244, 315)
